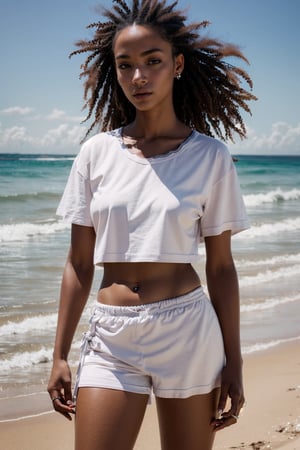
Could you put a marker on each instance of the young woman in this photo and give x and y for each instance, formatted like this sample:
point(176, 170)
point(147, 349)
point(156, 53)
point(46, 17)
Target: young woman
point(141, 195)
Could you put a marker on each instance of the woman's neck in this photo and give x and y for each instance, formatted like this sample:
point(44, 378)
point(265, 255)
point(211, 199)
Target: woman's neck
point(150, 126)
point(148, 139)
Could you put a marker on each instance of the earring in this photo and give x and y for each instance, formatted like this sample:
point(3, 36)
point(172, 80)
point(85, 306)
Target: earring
point(178, 76)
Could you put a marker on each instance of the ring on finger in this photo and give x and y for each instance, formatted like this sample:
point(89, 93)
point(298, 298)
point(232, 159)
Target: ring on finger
point(55, 398)
point(235, 416)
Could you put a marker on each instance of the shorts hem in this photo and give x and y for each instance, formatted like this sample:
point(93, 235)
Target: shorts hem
point(186, 393)
point(161, 393)
point(125, 388)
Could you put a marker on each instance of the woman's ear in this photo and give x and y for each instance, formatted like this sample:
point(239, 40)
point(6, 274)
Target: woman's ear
point(179, 64)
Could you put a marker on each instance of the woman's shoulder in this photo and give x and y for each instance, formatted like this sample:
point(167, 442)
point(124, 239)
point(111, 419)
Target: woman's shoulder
point(208, 157)
point(210, 148)
point(98, 144)
point(100, 141)
point(206, 142)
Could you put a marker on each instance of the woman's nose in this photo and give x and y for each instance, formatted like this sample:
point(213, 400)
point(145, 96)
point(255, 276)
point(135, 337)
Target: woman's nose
point(138, 76)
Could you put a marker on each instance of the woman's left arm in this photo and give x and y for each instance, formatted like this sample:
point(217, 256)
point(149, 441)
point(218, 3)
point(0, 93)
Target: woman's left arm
point(222, 284)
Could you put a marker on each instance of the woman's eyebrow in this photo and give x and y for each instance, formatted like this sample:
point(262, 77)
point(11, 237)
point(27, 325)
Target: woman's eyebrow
point(145, 53)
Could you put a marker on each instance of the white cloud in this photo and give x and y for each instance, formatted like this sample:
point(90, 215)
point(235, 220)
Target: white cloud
point(56, 114)
point(17, 136)
point(17, 110)
point(282, 138)
point(59, 114)
point(62, 137)
point(65, 138)
point(12, 138)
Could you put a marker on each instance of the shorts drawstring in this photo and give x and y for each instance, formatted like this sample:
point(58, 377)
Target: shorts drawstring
point(84, 346)
point(83, 349)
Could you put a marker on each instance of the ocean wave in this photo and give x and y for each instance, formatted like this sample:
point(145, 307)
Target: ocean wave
point(275, 260)
point(274, 196)
point(24, 231)
point(28, 305)
point(269, 229)
point(26, 359)
point(260, 346)
point(30, 324)
point(36, 323)
point(270, 275)
point(21, 197)
point(52, 158)
point(35, 157)
point(269, 303)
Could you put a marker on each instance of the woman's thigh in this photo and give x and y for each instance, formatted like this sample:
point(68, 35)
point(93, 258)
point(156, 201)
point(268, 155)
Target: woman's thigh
point(108, 419)
point(186, 423)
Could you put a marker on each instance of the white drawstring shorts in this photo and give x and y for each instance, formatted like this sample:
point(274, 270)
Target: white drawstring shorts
point(172, 347)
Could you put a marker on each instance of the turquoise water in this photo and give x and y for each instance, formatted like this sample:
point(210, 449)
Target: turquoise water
point(34, 244)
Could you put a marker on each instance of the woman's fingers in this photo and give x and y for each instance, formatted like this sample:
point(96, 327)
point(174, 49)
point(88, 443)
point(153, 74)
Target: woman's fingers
point(66, 408)
point(60, 389)
point(225, 419)
point(224, 422)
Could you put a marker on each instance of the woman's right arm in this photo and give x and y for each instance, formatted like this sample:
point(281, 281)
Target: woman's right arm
point(75, 288)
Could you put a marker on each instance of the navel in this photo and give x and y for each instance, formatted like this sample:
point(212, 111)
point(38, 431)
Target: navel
point(135, 288)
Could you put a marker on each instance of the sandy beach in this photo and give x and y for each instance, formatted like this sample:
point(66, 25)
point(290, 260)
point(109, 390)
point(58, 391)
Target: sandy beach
point(270, 420)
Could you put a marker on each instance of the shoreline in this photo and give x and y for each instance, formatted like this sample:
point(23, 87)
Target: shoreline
point(270, 420)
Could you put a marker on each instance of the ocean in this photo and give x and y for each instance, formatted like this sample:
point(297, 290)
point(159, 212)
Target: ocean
point(34, 244)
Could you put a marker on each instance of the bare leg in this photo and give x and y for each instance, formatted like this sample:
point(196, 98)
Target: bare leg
point(186, 423)
point(108, 419)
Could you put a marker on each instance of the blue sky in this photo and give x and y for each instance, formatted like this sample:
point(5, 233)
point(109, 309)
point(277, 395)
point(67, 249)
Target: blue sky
point(41, 95)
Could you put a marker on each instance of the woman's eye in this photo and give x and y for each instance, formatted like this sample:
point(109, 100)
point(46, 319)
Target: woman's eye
point(123, 66)
point(154, 61)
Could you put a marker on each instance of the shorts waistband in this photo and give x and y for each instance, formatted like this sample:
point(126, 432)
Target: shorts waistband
point(151, 308)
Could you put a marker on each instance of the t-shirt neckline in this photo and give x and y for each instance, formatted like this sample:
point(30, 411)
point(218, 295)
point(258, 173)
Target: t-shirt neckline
point(153, 159)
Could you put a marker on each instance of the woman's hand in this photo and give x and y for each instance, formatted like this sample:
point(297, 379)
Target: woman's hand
point(232, 388)
point(59, 388)
point(75, 289)
point(222, 283)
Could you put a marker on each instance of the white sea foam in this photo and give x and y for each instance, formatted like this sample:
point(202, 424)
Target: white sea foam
point(274, 196)
point(23, 231)
point(269, 303)
point(48, 158)
point(43, 158)
point(26, 359)
point(270, 275)
point(260, 346)
point(29, 325)
point(275, 260)
point(270, 229)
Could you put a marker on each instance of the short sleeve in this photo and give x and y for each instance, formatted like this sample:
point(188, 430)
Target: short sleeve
point(224, 208)
point(74, 206)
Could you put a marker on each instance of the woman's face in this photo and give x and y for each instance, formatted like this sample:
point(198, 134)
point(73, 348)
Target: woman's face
point(145, 67)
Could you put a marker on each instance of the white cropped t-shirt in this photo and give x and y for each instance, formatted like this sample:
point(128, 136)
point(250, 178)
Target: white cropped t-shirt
point(154, 209)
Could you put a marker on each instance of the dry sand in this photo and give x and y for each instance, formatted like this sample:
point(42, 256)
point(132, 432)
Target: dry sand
point(270, 420)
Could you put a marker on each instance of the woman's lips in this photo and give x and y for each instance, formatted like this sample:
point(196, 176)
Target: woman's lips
point(141, 94)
